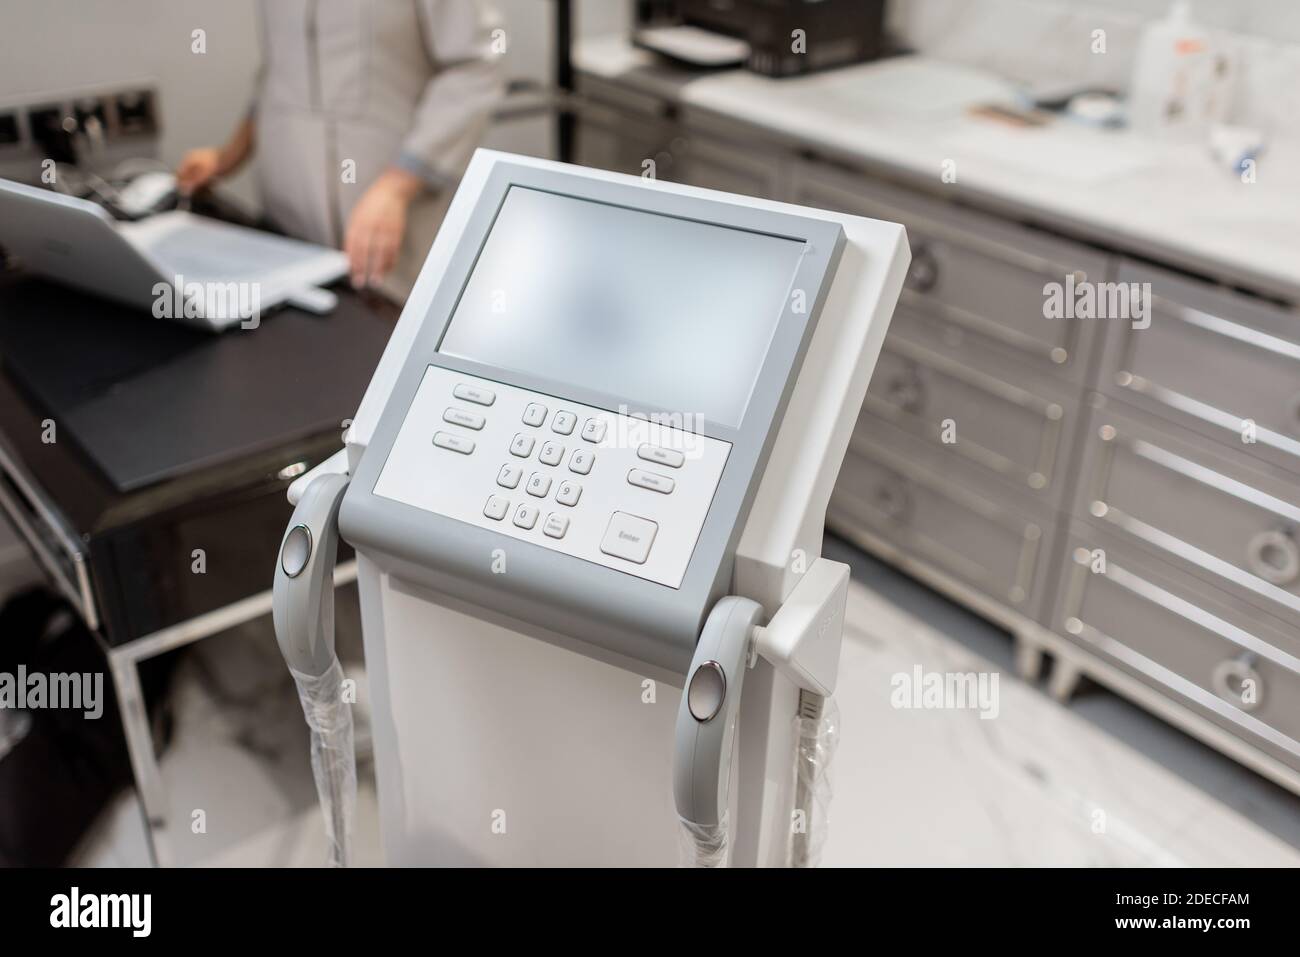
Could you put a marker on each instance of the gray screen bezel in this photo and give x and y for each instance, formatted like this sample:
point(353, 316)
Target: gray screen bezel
point(580, 587)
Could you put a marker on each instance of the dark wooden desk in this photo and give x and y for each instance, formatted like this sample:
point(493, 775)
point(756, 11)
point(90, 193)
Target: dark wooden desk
point(234, 418)
point(128, 558)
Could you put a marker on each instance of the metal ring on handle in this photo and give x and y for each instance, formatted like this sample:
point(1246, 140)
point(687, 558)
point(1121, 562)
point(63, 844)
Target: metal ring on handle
point(905, 391)
point(1274, 556)
point(923, 274)
point(890, 496)
point(1229, 682)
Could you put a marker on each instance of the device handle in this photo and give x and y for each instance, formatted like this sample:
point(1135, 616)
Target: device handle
point(706, 719)
point(302, 608)
point(302, 597)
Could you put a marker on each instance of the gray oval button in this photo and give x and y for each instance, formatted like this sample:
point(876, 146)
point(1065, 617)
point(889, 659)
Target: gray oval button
point(296, 550)
point(706, 691)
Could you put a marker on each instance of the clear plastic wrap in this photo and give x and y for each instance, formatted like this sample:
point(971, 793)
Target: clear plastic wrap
point(333, 756)
point(702, 845)
point(817, 731)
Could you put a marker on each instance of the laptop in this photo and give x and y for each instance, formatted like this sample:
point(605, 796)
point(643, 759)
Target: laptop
point(177, 265)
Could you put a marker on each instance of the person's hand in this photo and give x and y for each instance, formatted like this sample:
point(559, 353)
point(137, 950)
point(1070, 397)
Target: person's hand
point(377, 225)
point(198, 168)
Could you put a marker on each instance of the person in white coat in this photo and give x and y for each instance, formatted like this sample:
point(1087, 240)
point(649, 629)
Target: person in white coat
point(365, 115)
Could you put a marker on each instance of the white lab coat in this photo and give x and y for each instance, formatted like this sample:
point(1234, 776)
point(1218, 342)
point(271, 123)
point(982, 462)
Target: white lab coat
point(350, 87)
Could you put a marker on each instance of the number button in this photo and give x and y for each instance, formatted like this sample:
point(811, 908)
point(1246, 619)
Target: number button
point(581, 461)
point(551, 453)
point(568, 493)
point(538, 484)
point(522, 445)
point(526, 516)
point(535, 414)
point(593, 430)
point(496, 507)
point(564, 423)
point(556, 525)
point(509, 476)
point(470, 420)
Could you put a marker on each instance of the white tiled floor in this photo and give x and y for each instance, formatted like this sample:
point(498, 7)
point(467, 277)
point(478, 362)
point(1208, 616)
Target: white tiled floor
point(1037, 785)
point(1040, 784)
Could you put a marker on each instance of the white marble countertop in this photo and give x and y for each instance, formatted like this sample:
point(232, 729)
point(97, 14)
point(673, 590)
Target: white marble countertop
point(1159, 200)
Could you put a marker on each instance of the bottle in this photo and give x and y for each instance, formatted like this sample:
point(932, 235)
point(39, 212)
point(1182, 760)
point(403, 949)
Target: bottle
point(1182, 80)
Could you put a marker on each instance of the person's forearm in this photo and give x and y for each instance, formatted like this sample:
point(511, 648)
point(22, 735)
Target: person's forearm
point(238, 148)
point(404, 184)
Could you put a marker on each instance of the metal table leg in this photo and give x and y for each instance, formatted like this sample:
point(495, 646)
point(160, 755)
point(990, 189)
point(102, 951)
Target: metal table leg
point(144, 759)
point(124, 661)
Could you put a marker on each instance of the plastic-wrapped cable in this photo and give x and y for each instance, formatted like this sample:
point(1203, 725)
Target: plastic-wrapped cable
point(817, 729)
point(333, 758)
point(702, 845)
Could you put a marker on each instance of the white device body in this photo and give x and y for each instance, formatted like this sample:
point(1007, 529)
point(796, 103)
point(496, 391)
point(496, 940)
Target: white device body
point(497, 747)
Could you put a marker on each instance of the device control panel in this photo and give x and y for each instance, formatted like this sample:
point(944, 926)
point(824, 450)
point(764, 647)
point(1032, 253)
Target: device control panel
point(618, 490)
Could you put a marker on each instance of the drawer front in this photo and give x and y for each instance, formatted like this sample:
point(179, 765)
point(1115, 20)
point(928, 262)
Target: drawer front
point(895, 491)
point(1011, 432)
point(715, 164)
point(1223, 516)
point(607, 139)
point(974, 274)
point(1182, 636)
point(1215, 361)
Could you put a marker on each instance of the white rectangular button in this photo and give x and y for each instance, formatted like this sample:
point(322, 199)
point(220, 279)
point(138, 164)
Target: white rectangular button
point(581, 461)
point(470, 420)
point(593, 430)
point(522, 445)
point(526, 516)
point(564, 422)
point(556, 525)
point(651, 480)
point(496, 507)
point(535, 414)
point(538, 484)
point(629, 537)
point(475, 394)
point(568, 493)
point(509, 476)
point(654, 453)
point(457, 443)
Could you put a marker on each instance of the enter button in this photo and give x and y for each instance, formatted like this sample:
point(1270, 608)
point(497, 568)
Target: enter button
point(629, 537)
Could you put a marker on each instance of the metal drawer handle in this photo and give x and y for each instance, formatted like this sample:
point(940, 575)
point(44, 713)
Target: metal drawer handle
point(905, 391)
point(923, 274)
point(1274, 556)
point(891, 499)
point(1237, 682)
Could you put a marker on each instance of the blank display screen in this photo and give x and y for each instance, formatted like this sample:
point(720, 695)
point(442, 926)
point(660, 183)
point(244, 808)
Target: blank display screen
point(660, 311)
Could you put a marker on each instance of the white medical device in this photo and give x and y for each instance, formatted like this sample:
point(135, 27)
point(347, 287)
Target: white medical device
point(592, 470)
